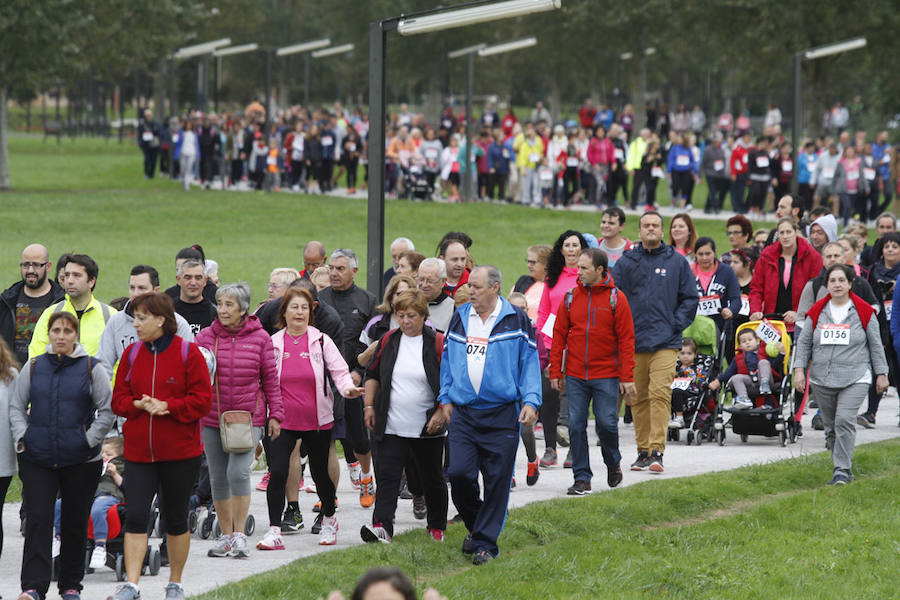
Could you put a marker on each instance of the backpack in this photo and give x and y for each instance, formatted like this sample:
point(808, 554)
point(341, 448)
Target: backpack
point(613, 299)
point(136, 348)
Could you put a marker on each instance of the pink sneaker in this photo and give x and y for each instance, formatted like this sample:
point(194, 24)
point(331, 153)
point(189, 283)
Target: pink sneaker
point(263, 485)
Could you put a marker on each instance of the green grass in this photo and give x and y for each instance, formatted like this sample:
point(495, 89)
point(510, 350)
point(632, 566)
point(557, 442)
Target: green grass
point(761, 531)
point(88, 195)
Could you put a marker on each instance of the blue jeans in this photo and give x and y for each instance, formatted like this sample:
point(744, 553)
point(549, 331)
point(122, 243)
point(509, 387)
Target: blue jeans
point(98, 515)
point(605, 393)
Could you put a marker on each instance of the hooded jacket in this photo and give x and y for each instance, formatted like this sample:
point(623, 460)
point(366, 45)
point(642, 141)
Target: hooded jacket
point(120, 333)
point(807, 265)
point(597, 337)
point(828, 224)
point(662, 293)
point(246, 378)
point(69, 415)
point(90, 326)
point(160, 371)
point(8, 308)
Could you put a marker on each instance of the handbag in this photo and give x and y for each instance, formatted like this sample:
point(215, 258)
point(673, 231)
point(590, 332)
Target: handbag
point(235, 426)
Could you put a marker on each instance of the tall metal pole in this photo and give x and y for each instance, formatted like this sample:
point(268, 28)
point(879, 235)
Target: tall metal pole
point(470, 81)
point(268, 106)
point(306, 81)
point(797, 121)
point(376, 150)
point(172, 87)
point(216, 84)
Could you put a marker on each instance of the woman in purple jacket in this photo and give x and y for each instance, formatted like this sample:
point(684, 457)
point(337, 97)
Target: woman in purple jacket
point(246, 379)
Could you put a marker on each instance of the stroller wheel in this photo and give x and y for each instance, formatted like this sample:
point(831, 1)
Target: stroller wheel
point(720, 436)
point(155, 561)
point(250, 525)
point(744, 437)
point(120, 567)
point(699, 438)
point(689, 438)
point(783, 437)
point(192, 521)
point(206, 525)
point(217, 528)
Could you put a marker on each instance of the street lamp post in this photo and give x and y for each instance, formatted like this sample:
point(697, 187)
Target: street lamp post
point(304, 48)
point(811, 54)
point(204, 50)
point(412, 24)
point(332, 51)
point(218, 54)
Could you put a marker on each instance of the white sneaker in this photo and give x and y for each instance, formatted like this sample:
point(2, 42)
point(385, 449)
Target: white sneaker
point(328, 535)
point(272, 540)
point(374, 533)
point(54, 551)
point(221, 547)
point(677, 422)
point(239, 546)
point(98, 557)
point(742, 403)
point(310, 487)
point(355, 471)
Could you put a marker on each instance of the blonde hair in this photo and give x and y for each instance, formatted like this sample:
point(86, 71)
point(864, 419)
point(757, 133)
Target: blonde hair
point(462, 295)
point(318, 275)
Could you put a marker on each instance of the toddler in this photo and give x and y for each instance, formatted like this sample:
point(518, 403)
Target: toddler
point(750, 373)
point(686, 366)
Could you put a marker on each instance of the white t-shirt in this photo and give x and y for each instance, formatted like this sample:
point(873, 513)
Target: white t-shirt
point(411, 396)
point(189, 143)
point(477, 336)
point(839, 313)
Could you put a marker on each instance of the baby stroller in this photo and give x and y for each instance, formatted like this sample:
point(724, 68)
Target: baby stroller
point(115, 548)
point(415, 183)
point(202, 518)
point(775, 418)
point(698, 401)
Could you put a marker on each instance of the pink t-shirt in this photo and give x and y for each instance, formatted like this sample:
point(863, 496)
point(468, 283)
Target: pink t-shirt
point(298, 386)
point(704, 277)
point(851, 173)
point(786, 277)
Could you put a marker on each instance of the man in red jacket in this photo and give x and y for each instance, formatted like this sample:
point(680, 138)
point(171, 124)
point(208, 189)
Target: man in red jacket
point(593, 346)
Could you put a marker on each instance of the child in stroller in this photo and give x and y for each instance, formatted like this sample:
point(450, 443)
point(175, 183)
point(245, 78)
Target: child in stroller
point(751, 374)
point(692, 371)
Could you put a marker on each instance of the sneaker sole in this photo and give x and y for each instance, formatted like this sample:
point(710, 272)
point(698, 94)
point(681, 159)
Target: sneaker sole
point(369, 537)
point(547, 465)
point(242, 554)
point(574, 493)
point(860, 420)
point(638, 468)
point(656, 468)
point(291, 530)
point(327, 543)
point(212, 554)
point(261, 547)
point(530, 482)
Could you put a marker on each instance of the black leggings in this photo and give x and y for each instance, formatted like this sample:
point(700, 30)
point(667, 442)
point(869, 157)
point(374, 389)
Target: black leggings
point(175, 478)
point(317, 444)
point(4, 487)
point(549, 412)
point(352, 169)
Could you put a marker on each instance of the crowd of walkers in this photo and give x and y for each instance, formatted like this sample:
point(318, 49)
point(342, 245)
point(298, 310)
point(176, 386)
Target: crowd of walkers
point(134, 402)
point(593, 159)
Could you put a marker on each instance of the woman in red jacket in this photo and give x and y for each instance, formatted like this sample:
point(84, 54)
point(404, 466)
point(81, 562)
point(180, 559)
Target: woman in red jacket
point(781, 272)
point(245, 380)
point(163, 390)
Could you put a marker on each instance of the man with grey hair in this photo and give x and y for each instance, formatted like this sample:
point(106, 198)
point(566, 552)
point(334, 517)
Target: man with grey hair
point(398, 247)
point(356, 307)
point(713, 166)
point(25, 300)
point(490, 384)
point(430, 279)
point(190, 303)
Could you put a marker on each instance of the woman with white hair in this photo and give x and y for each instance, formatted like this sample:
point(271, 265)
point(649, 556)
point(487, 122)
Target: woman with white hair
point(246, 379)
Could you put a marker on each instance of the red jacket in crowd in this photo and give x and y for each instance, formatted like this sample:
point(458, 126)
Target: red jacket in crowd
point(181, 382)
point(807, 264)
point(739, 156)
point(586, 116)
point(598, 340)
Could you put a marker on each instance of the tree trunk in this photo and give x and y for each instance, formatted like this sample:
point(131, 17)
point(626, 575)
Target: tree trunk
point(4, 150)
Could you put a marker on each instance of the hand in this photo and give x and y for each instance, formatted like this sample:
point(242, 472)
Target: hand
point(158, 408)
point(726, 313)
point(556, 384)
point(799, 380)
point(357, 379)
point(790, 316)
point(628, 389)
point(528, 416)
point(369, 418)
point(274, 429)
point(111, 468)
point(881, 383)
point(435, 422)
point(714, 385)
point(447, 409)
point(756, 316)
point(353, 392)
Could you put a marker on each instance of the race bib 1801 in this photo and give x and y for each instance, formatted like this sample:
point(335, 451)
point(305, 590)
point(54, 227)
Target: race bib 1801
point(767, 333)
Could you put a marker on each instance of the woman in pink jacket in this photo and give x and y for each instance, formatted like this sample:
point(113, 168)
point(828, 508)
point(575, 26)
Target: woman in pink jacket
point(245, 379)
point(307, 362)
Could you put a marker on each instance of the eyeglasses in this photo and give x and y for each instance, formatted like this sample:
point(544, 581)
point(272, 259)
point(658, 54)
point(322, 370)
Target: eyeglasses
point(734, 232)
point(33, 265)
point(531, 262)
point(426, 281)
point(275, 286)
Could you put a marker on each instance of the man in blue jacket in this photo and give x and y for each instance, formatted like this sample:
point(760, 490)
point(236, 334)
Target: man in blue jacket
point(490, 383)
point(663, 297)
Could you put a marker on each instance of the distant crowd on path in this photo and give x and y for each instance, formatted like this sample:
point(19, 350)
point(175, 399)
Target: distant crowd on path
point(171, 395)
point(592, 159)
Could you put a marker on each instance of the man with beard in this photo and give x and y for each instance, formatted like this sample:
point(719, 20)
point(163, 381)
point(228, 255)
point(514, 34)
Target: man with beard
point(24, 301)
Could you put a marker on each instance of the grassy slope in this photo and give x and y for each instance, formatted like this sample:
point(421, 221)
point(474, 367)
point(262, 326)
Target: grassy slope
point(760, 531)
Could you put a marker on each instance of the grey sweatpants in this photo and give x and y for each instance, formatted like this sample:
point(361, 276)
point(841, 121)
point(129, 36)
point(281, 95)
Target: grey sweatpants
point(839, 407)
point(743, 384)
point(229, 474)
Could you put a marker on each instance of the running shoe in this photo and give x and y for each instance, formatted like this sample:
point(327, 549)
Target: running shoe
point(71, 594)
point(221, 547)
point(549, 459)
point(656, 462)
point(366, 492)
point(272, 540)
point(354, 471)
point(33, 595)
point(263, 485)
point(239, 546)
point(317, 507)
point(126, 591)
point(562, 436)
point(840, 478)
point(174, 591)
point(642, 462)
point(292, 521)
point(538, 431)
point(482, 557)
point(866, 419)
point(533, 473)
point(436, 534)
point(468, 546)
point(328, 535)
point(614, 476)
point(310, 487)
point(567, 464)
point(817, 422)
point(579, 489)
point(317, 524)
point(742, 403)
point(374, 533)
point(420, 509)
point(98, 557)
point(677, 422)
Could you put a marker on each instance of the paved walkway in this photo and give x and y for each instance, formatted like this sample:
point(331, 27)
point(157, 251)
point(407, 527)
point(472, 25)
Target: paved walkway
point(202, 573)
